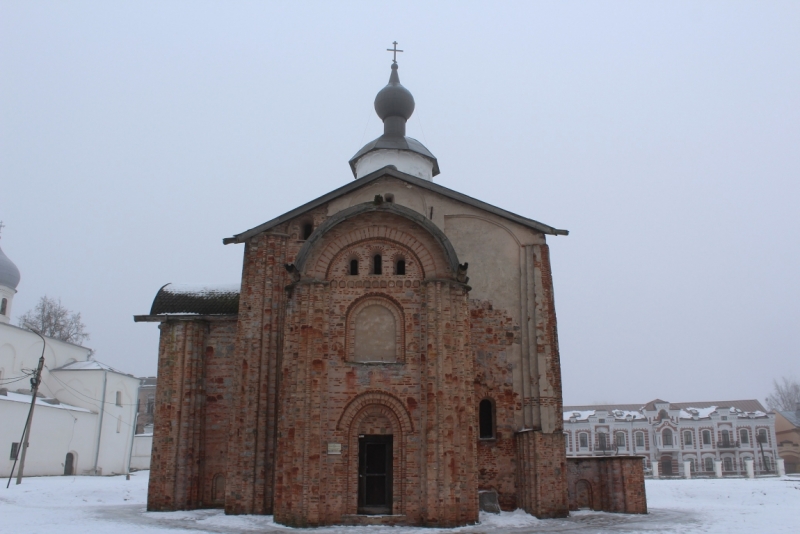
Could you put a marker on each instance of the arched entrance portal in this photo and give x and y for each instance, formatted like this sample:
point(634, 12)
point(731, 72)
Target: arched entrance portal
point(583, 495)
point(69, 464)
point(666, 465)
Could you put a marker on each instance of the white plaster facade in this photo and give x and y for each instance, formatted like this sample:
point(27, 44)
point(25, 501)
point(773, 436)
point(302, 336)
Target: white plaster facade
point(713, 438)
point(403, 160)
point(87, 410)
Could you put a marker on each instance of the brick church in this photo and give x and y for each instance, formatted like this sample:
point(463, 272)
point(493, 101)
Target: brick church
point(390, 356)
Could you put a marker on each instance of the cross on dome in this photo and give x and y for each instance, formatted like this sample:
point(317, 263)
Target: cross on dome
point(394, 51)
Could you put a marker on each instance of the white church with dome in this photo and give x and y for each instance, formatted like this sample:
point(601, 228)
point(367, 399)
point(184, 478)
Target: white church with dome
point(84, 419)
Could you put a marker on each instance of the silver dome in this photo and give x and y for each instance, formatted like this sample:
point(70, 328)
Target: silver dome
point(9, 274)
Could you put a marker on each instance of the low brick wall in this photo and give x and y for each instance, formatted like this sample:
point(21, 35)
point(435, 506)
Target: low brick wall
point(607, 483)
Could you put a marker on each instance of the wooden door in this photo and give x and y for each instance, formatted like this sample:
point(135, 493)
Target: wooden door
point(375, 475)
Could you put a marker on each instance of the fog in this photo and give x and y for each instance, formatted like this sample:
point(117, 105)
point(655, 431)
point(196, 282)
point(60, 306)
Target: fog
point(664, 136)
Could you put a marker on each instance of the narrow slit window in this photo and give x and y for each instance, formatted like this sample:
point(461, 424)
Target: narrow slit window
point(486, 416)
point(119, 398)
point(377, 264)
point(3, 306)
point(353, 267)
point(308, 228)
point(400, 268)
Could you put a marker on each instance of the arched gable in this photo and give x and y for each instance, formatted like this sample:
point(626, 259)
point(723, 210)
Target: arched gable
point(370, 398)
point(424, 238)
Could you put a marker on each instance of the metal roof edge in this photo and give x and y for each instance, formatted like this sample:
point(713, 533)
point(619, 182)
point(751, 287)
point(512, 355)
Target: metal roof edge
point(182, 317)
point(391, 170)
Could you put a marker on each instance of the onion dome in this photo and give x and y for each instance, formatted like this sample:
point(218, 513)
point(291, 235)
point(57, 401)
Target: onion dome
point(9, 274)
point(394, 104)
point(394, 100)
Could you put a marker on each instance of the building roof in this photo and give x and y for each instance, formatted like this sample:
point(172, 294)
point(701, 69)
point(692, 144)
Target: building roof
point(793, 417)
point(394, 173)
point(746, 405)
point(688, 410)
point(603, 407)
point(175, 299)
point(40, 401)
point(9, 274)
point(89, 365)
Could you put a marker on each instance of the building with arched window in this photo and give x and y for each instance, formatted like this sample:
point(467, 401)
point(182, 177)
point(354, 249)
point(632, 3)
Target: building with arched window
point(389, 355)
point(667, 434)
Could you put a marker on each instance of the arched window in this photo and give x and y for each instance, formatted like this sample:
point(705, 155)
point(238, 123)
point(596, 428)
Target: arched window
point(666, 437)
point(727, 464)
point(762, 435)
point(687, 438)
point(3, 306)
point(709, 464)
point(377, 264)
point(486, 419)
point(744, 437)
point(602, 441)
point(308, 229)
point(621, 440)
point(583, 440)
point(706, 437)
point(726, 438)
point(400, 267)
point(640, 439)
point(119, 398)
point(354, 267)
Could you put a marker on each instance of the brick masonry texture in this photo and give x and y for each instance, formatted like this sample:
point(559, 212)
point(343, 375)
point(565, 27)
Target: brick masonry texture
point(610, 484)
point(273, 403)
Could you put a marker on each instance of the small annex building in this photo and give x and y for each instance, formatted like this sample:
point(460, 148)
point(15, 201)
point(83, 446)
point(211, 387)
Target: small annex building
point(390, 356)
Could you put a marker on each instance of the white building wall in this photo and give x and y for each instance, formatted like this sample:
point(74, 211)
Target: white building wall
point(20, 350)
point(142, 447)
point(54, 433)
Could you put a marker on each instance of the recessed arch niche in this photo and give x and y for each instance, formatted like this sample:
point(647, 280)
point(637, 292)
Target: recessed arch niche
point(375, 330)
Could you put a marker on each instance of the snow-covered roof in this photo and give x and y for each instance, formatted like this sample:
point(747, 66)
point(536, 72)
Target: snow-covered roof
point(605, 411)
point(41, 401)
point(687, 410)
point(184, 299)
point(89, 365)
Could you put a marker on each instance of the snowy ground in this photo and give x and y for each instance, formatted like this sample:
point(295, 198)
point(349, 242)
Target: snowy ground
point(83, 505)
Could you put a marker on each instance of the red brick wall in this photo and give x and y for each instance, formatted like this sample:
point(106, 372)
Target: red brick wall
point(616, 482)
point(542, 474)
point(493, 333)
point(428, 398)
point(190, 429)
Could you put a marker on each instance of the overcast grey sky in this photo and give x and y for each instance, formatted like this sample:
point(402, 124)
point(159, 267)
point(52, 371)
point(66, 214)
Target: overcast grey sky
point(134, 136)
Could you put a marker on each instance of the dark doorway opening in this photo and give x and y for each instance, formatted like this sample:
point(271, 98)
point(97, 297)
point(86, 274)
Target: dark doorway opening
point(583, 495)
point(375, 475)
point(69, 464)
point(666, 465)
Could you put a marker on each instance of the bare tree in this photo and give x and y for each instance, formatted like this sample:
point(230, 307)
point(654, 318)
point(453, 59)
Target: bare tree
point(50, 318)
point(785, 396)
